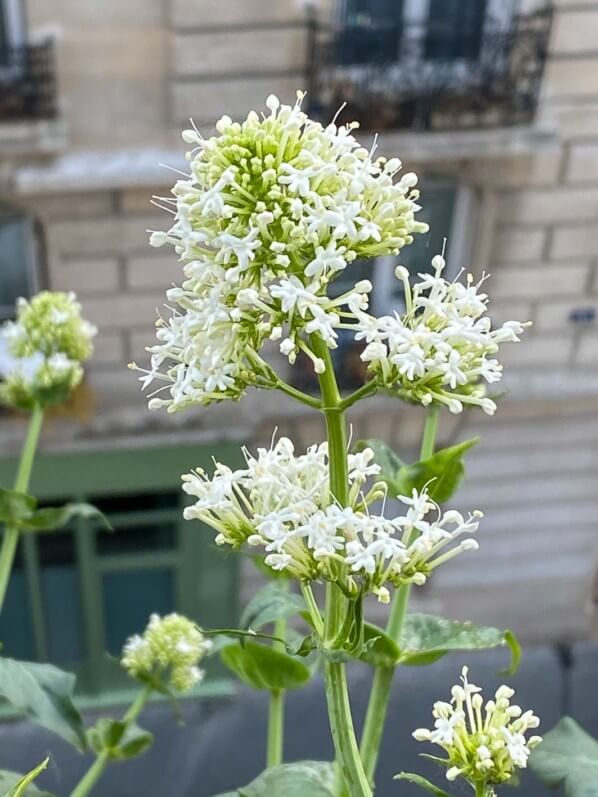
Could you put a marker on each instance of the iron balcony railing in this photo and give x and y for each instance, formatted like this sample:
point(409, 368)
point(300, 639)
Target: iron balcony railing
point(429, 76)
point(27, 82)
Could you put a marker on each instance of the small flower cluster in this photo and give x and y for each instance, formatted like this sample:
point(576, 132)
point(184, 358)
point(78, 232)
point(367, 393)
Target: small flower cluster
point(42, 351)
point(441, 350)
point(280, 503)
point(171, 646)
point(274, 208)
point(485, 744)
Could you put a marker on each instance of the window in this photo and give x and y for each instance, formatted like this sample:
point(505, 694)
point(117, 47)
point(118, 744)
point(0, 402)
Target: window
point(372, 31)
point(77, 594)
point(18, 258)
point(12, 29)
point(455, 29)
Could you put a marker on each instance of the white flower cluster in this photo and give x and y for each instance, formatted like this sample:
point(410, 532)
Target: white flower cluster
point(441, 350)
point(172, 646)
point(42, 351)
point(280, 503)
point(274, 208)
point(485, 744)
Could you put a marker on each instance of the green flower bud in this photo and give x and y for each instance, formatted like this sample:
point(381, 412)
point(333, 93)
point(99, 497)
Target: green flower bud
point(170, 649)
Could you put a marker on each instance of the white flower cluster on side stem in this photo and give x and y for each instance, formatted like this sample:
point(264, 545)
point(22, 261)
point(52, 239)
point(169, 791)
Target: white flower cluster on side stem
point(280, 503)
point(442, 349)
point(485, 743)
point(273, 210)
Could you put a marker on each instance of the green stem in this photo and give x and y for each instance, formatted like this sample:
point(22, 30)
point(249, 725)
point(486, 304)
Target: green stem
point(337, 692)
point(313, 608)
point(383, 676)
point(10, 540)
point(93, 774)
point(275, 743)
point(365, 390)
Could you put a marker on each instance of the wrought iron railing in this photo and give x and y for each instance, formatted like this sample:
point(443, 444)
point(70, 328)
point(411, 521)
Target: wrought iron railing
point(429, 77)
point(28, 82)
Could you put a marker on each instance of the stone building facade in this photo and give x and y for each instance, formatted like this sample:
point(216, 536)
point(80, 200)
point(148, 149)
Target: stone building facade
point(128, 76)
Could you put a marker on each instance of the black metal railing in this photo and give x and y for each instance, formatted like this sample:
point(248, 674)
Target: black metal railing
point(429, 76)
point(27, 82)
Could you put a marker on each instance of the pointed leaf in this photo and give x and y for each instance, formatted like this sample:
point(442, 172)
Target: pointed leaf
point(52, 518)
point(426, 638)
point(379, 650)
point(15, 506)
point(302, 779)
point(423, 782)
point(44, 694)
point(273, 602)
point(265, 668)
point(568, 757)
point(443, 472)
point(21, 789)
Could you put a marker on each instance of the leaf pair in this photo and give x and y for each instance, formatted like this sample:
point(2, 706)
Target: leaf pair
point(20, 510)
point(119, 739)
point(441, 474)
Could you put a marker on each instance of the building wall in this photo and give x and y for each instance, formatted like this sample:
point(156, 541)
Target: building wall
point(535, 471)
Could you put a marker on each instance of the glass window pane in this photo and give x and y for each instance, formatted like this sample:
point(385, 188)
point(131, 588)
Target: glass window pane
point(62, 605)
point(14, 262)
point(136, 539)
point(130, 597)
point(136, 503)
point(16, 629)
point(455, 29)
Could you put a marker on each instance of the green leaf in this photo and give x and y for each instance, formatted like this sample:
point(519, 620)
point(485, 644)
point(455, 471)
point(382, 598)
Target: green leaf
point(15, 506)
point(423, 782)
point(119, 739)
point(568, 757)
point(443, 472)
point(302, 779)
point(426, 638)
point(379, 650)
point(264, 668)
point(52, 518)
point(273, 602)
point(44, 694)
point(23, 787)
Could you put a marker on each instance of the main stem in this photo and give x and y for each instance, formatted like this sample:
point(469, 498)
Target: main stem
point(275, 747)
point(10, 539)
point(337, 692)
point(383, 676)
point(93, 774)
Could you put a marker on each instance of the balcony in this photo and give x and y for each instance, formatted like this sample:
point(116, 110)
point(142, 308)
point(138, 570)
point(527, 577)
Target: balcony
point(430, 77)
point(29, 119)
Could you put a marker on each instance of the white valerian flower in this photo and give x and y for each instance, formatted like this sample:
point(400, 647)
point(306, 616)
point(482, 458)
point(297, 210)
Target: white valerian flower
point(485, 742)
point(42, 351)
point(170, 648)
point(273, 209)
point(441, 349)
point(280, 503)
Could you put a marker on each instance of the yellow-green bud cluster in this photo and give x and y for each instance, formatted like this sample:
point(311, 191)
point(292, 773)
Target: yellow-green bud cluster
point(169, 649)
point(41, 352)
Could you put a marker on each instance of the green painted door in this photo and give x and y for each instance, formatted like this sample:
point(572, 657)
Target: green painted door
point(75, 595)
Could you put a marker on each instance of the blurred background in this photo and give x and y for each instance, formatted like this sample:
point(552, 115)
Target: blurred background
point(494, 103)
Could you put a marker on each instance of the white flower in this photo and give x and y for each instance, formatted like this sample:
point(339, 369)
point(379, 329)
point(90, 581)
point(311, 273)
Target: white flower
point(273, 209)
point(485, 743)
point(280, 502)
point(441, 349)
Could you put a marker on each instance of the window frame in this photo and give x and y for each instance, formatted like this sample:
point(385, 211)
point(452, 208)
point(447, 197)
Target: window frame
point(13, 14)
point(195, 564)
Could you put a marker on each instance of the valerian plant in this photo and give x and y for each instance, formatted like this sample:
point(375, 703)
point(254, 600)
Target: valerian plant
point(273, 211)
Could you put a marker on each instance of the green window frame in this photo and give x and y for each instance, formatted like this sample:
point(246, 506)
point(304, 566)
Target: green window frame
point(204, 578)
